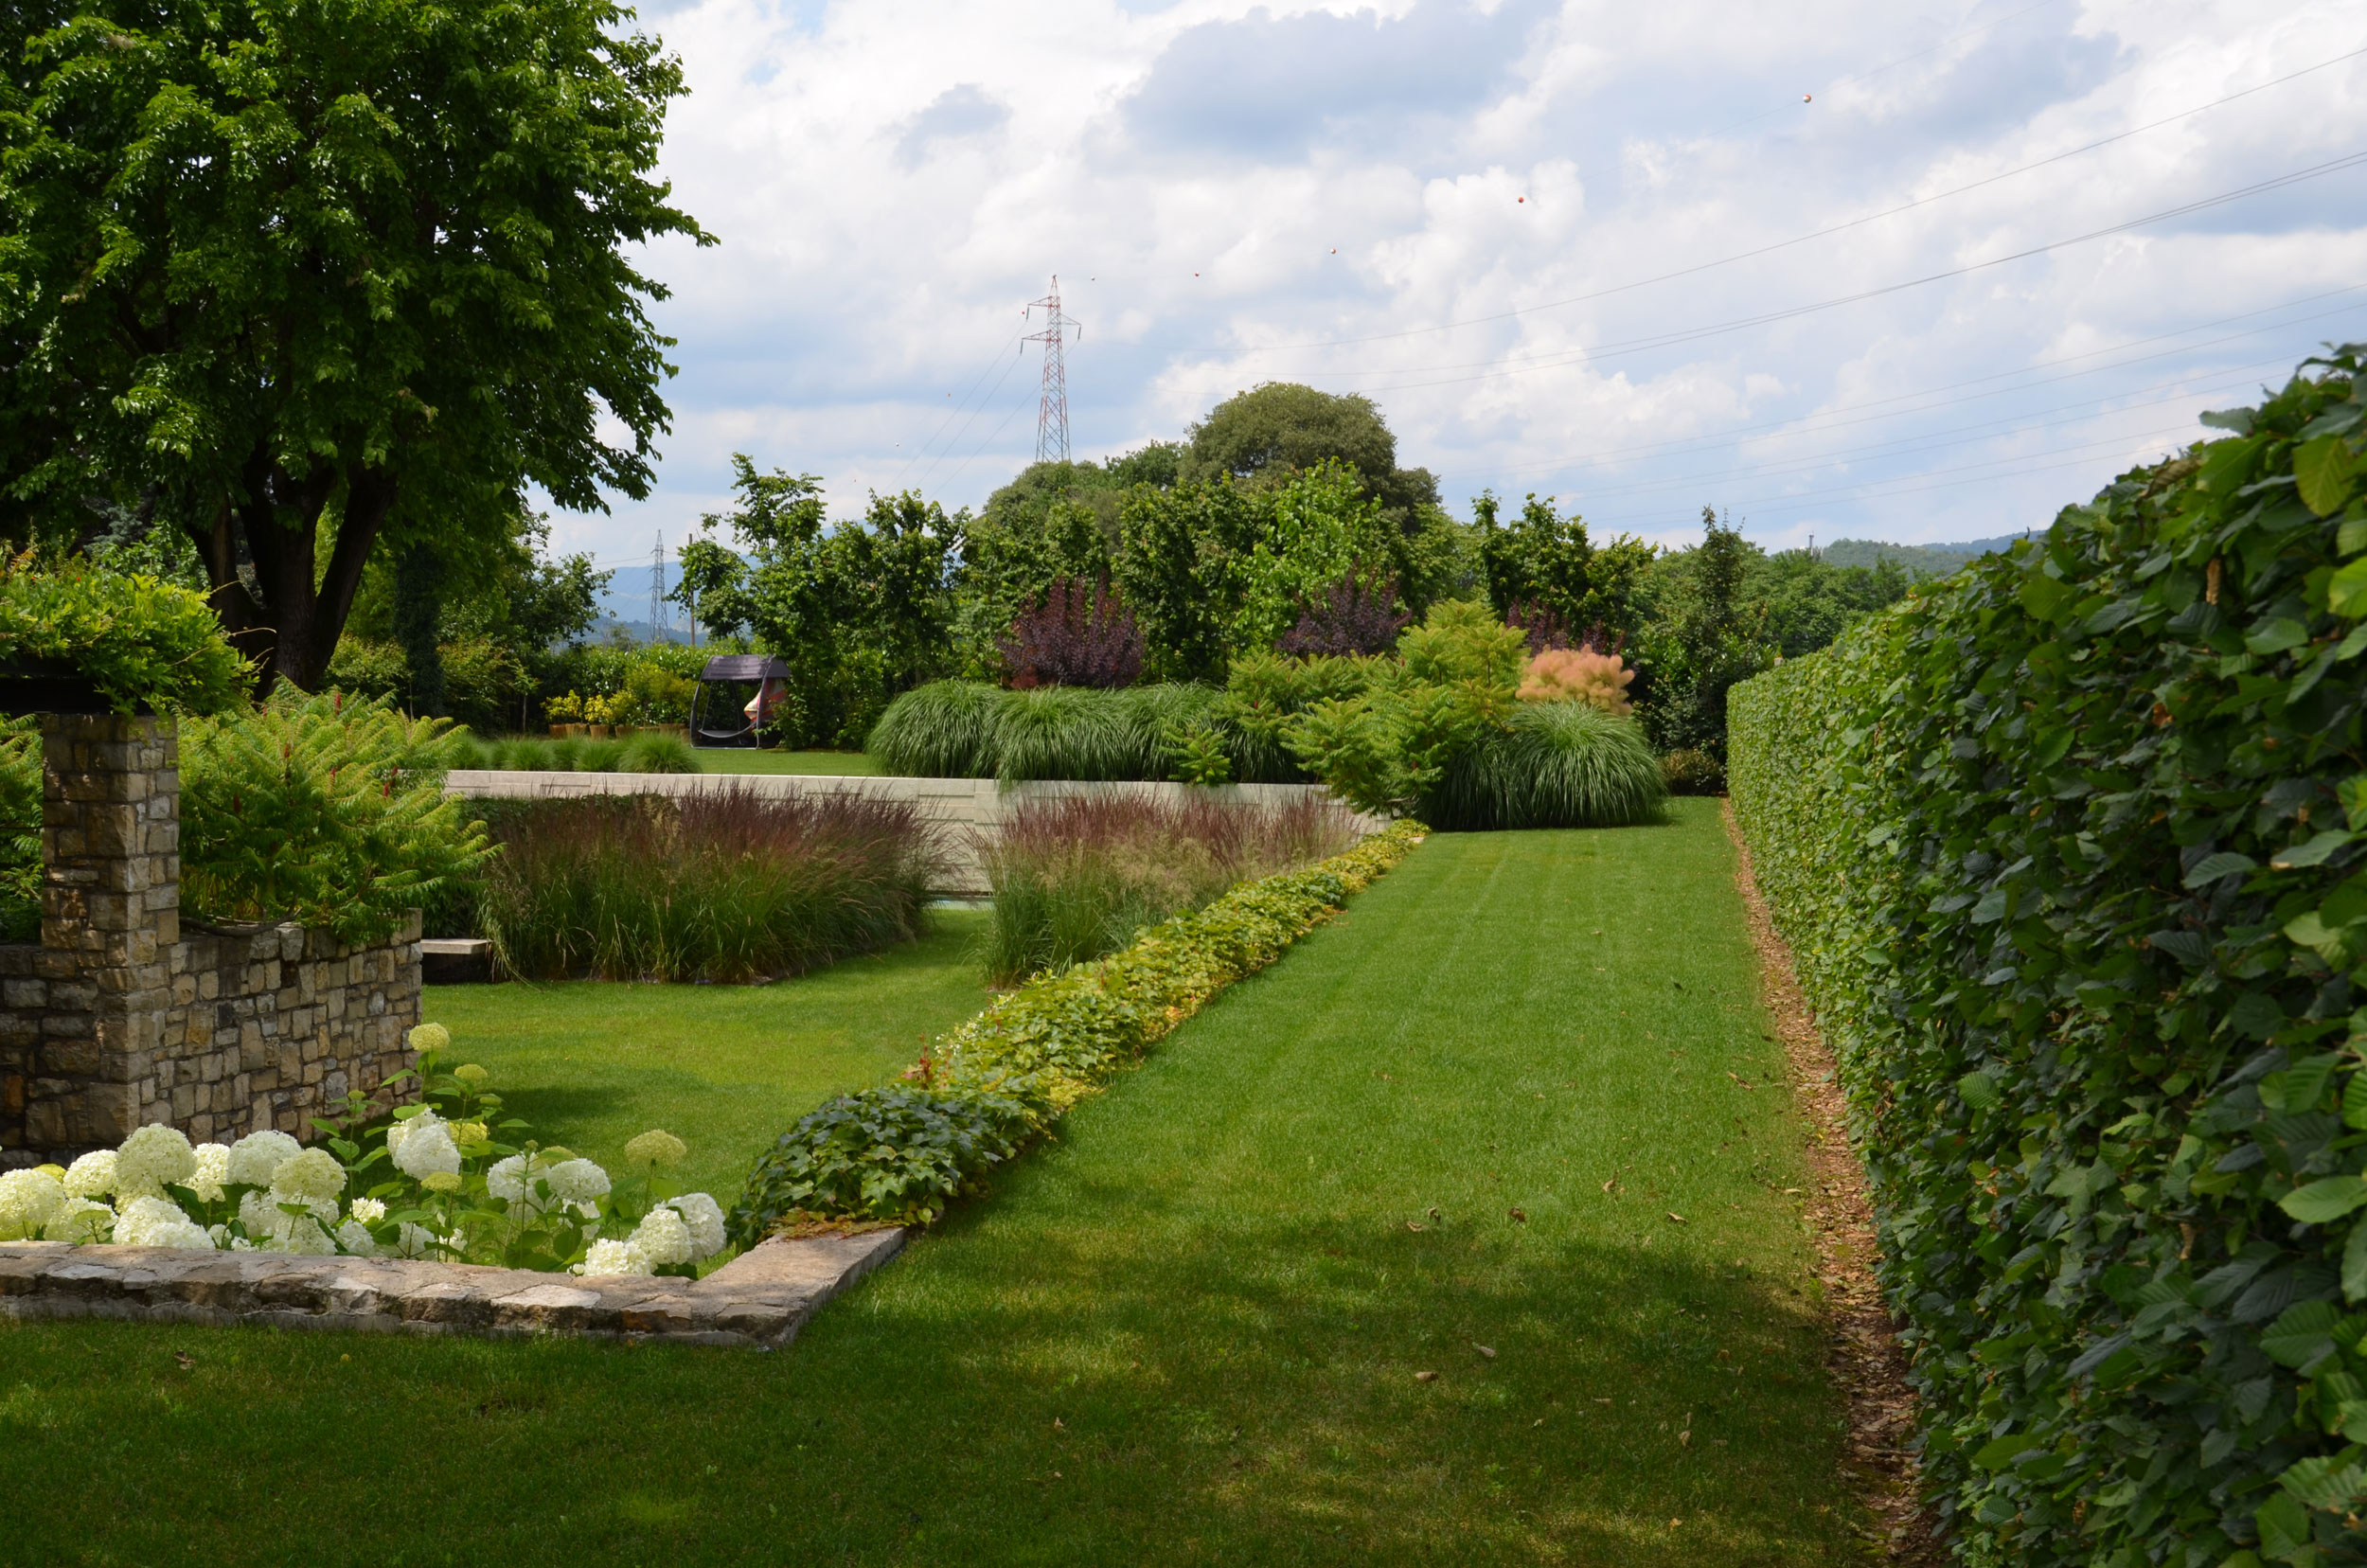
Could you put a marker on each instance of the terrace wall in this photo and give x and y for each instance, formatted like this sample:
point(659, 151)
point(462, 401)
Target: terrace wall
point(964, 809)
point(116, 1018)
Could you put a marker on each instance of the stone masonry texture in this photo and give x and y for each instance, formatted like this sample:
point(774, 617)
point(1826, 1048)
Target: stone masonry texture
point(117, 1018)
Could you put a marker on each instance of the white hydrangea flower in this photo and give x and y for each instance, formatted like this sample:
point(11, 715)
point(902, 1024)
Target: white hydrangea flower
point(655, 1147)
point(27, 1199)
point(614, 1257)
point(79, 1220)
point(269, 1225)
point(304, 1235)
point(424, 1146)
point(662, 1237)
point(308, 1176)
point(430, 1037)
point(512, 1180)
point(213, 1168)
point(368, 1210)
point(150, 1221)
point(578, 1180)
point(93, 1175)
point(254, 1157)
point(355, 1237)
point(704, 1218)
point(152, 1159)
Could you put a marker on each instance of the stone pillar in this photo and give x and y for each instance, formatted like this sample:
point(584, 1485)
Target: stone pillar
point(110, 910)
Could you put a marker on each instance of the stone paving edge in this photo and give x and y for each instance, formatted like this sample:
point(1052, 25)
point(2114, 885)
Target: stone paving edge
point(760, 1298)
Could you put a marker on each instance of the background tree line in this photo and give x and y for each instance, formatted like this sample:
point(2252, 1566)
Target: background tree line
point(1217, 547)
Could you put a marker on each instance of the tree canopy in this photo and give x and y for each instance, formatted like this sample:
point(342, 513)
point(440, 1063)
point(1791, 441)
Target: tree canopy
point(295, 276)
point(1278, 428)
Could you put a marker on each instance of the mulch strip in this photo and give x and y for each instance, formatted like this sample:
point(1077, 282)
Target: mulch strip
point(1864, 1357)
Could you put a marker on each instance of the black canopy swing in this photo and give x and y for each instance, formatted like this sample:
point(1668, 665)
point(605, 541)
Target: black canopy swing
point(717, 720)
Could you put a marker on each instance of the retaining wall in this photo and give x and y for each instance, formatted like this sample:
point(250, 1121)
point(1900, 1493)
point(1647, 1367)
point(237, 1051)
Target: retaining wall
point(964, 809)
point(118, 1018)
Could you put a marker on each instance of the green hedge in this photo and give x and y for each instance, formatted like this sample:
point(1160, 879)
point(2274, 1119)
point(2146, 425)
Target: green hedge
point(2068, 851)
point(896, 1153)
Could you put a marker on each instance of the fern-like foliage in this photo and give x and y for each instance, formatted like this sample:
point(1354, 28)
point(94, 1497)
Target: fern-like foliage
point(329, 810)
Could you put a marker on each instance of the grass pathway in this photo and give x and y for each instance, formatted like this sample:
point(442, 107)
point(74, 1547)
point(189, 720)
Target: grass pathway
point(1191, 1331)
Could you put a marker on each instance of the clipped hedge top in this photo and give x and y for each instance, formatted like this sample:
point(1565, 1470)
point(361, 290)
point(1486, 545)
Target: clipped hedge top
point(2072, 851)
point(136, 638)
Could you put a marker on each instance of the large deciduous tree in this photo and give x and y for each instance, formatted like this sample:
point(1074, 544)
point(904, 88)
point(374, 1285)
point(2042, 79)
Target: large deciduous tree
point(298, 277)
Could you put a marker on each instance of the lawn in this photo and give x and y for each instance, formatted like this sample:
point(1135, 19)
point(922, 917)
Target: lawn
point(1451, 1133)
point(726, 1068)
point(727, 759)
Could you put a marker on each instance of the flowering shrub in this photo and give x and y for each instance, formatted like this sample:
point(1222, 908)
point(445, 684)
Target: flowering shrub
point(438, 1179)
point(895, 1154)
point(1578, 675)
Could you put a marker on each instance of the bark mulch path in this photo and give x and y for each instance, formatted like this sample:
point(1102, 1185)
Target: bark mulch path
point(1866, 1362)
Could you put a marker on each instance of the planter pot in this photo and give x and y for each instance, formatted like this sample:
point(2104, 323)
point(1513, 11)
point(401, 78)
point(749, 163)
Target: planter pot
point(566, 732)
point(598, 732)
point(50, 686)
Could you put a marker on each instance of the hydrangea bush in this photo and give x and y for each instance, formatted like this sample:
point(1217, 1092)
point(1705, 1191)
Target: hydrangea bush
point(449, 1177)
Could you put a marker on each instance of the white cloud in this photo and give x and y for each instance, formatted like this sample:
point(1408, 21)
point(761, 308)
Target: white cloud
point(1220, 184)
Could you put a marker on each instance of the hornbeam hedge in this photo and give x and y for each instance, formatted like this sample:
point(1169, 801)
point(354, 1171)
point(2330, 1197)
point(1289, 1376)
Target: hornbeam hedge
point(2068, 852)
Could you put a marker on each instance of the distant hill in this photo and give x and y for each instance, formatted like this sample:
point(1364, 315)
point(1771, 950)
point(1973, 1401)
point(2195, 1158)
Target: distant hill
point(1921, 560)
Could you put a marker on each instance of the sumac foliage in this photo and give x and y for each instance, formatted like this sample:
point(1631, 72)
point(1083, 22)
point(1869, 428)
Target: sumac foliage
point(2068, 848)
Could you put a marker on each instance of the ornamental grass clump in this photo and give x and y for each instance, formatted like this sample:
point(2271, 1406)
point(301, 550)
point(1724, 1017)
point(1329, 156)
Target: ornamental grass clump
point(1076, 877)
point(639, 754)
point(453, 1177)
point(1560, 764)
point(724, 885)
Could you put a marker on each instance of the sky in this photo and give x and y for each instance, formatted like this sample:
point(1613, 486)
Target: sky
point(1837, 268)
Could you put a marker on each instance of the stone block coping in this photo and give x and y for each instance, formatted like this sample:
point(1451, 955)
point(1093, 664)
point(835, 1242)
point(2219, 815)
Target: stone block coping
point(760, 1298)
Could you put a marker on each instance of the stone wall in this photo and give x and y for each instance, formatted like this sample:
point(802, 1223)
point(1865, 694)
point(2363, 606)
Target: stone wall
point(116, 1018)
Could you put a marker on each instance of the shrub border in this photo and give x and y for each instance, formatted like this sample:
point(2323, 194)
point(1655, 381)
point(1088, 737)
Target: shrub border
point(895, 1153)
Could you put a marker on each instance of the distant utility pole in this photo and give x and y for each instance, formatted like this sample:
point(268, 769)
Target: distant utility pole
point(657, 590)
point(1052, 413)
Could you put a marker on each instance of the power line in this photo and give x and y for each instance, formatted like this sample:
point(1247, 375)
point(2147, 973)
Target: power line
point(1939, 440)
point(1817, 234)
point(1007, 367)
point(1664, 340)
point(921, 451)
point(1821, 421)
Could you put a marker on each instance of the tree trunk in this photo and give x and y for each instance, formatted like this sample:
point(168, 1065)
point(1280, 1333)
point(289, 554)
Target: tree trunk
point(419, 603)
point(289, 616)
